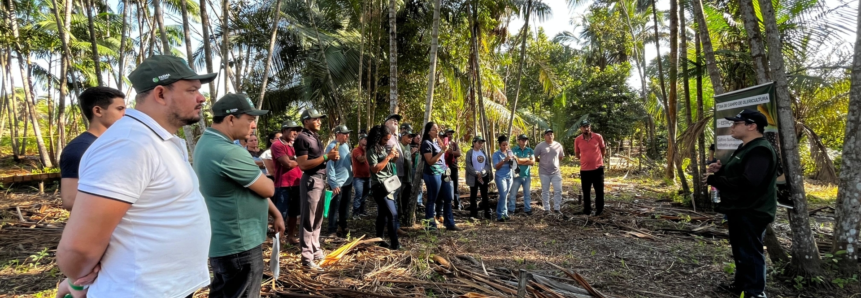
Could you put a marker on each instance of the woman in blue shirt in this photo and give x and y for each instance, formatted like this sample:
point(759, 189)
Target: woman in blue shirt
point(436, 180)
point(503, 162)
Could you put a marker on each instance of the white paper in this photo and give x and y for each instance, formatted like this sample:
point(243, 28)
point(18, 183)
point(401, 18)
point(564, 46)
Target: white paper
point(274, 260)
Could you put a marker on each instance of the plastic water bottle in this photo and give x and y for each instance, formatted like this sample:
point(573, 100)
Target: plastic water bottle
point(715, 195)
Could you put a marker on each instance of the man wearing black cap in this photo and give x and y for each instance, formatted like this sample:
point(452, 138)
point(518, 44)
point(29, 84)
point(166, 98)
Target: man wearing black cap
point(236, 194)
point(136, 186)
point(525, 160)
point(339, 176)
point(748, 192)
point(312, 160)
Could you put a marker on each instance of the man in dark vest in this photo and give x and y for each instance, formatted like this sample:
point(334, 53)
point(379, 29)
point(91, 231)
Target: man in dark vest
point(748, 196)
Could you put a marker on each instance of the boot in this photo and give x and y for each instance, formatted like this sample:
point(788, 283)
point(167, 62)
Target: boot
point(292, 223)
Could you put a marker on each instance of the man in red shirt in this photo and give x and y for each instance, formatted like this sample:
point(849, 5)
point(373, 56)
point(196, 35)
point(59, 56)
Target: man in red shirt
point(589, 149)
point(361, 176)
point(287, 175)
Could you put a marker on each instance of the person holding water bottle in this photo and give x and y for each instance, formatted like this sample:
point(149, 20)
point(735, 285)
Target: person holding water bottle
point(503, 162)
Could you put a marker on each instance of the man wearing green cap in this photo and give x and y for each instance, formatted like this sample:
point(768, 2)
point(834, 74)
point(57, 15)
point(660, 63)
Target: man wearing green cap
point(139, 211)
point(312, 160)
point(236, 195)
point(406, 137)
point(339, 176)
point(525, 160)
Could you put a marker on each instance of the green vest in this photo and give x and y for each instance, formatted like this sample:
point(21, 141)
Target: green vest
point(759, 202)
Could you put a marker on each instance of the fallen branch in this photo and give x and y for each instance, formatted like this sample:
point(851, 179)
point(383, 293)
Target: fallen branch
point(580, 280)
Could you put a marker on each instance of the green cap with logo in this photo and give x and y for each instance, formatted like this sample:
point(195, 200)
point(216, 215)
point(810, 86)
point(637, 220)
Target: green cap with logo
point(162, 70)
point(477, 138)
point(311, 114)
point(235, 103)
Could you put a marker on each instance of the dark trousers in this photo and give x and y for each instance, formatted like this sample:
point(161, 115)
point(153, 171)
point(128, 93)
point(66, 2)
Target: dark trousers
point(587, 180)
point(485, 201)
point(387, 214)
point(438, 190)
point(339, 208)
point(287, 200)
point(237, 275)
point(745, 237)
point(311, 191)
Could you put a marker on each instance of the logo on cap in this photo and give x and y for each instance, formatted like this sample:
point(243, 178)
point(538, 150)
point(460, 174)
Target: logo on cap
point(161, 78)
point(249, 101)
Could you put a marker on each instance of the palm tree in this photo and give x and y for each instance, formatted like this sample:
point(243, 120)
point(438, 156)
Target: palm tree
point(757, 49)
point(93, 44)
point(805, 255)
point(29, 100)
point(63, 27)
point(276, 19)
point(393, 57)
point(706, 41)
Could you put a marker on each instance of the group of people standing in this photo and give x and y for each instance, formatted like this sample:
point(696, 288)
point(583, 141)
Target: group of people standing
point(147, 221)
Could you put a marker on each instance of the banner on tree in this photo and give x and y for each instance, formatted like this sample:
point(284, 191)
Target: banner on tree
point(761, 98)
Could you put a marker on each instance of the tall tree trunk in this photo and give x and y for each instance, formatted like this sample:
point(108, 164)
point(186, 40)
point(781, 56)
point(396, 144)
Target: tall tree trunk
point(29, 100)
point(393, 57)
point(848, 215)
point(692, 151)
point(93, 45)
point(361, 64)
point(159, 18)
point(805, 255)
point(702, 199)
point(524, 32)
point(705, 39)
point(63, 27)
point(9, 90)
point(121, 61)
point(189, 54)
point(673, 158)
point(757, 48)
point(410, 218)
point(272, 38)
point(207, 48)
point(225, 42)
point(663, 94)
point(476, 64)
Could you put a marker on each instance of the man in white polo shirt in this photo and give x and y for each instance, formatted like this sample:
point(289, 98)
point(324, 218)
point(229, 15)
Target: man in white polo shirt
point(139, 211)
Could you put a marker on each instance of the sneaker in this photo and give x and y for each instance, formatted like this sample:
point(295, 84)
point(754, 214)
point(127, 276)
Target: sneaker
point(312, 267)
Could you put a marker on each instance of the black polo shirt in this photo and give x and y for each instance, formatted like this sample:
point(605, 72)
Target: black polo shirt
point(308, 143)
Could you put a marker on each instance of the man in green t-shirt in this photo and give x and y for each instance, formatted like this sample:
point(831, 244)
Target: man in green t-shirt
point(236, 194)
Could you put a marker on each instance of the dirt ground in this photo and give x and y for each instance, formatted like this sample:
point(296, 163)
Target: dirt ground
point(646, 245)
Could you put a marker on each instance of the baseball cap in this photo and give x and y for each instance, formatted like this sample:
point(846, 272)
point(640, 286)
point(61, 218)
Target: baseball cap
point(478, 138)
point(342, 129)
point(406, 126)
point(449, 130)
point(161, 70)
point(396, 116)
point(290, 125)
point(311, 114)
point(235, 103)
point(585, 123)
point(549, 130)
point(750, 116)
point(522, 137)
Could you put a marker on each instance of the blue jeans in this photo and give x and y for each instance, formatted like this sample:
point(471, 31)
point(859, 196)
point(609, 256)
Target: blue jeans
point(281, 200)
point(361, 186)
point(338, 208)
point(503, 185)
point(436, 188)
point(527, 197)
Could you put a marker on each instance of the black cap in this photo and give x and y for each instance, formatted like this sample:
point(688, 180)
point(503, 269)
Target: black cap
point(396, 116)
point(449, 130)
point(750, 116)
point(342, 129)
point(290, 125)
point(585, 123)
point(522, 137)
point(549, 130)
point(235, 103)
point(162, 70)
point(477, 138)
point(362, 136)
point(311, 114)
point(406, 126)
